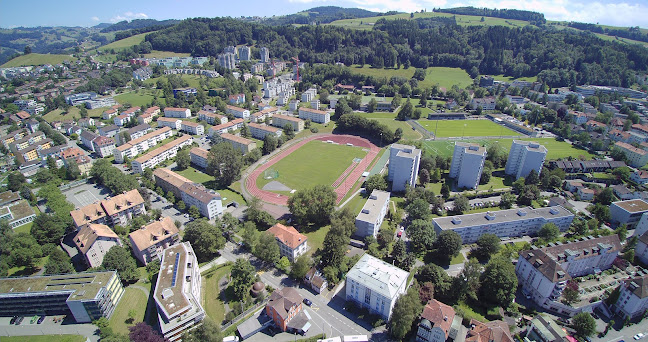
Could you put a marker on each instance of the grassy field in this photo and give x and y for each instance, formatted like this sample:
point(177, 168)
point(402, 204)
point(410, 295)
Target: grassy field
point(37, 59)
point(464, 20)
point(228, 195)
point(214, 306)
point(465, 128)
point(124, 43)
point(408, 132)
point(316, 239)
point(163, 54)
point(556, 149)
point(192, 80)
point(137, 301)
point(314, 163)
point(134, 99)
point(511, 79)
point(444, 77)
point(44, 338)
point(72, 113)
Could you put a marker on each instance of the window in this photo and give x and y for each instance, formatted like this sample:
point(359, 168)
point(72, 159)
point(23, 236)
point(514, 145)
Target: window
point(368, 296)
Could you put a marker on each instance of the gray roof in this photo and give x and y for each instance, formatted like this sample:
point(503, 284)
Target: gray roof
point(377, 275)
point(472, 148)
point(373, 206)
point(531, 145)
point(495, 217)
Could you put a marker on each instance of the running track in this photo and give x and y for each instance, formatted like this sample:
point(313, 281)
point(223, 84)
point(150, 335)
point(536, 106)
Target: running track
point(341, 190)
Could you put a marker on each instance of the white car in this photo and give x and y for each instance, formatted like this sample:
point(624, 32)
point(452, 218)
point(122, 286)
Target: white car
point(639, 336)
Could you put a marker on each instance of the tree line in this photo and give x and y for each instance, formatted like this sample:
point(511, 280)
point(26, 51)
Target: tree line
point(534, 17)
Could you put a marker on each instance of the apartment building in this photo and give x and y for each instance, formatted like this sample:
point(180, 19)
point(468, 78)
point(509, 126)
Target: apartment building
point(13, 136)
point(486, 103)
point(192, 127)
point(207, 201)
point(524, 157)
point(283, 306)
point(543, 273)
point(437, 322)
point(372, 214)
point(309, 95)
point(279, 120)
point(17, 214)
point(109, 113)
point(132, 133)
point(239, 143)
point(108, 131)
point(261, 115)
point(30, 153)
point(403, 166)
point(260, 131)
point(636, 156)
point(26, 141)
point(149, 241)
point(160, 154)
point(314, 115)
point(75, 154)
point(178, 292)
point(633, 297)
point(628, 212)
point(227, 60)
point(148, 115)
point(504, 223)
point(265, 55)
point(182, 113)
point(226, 127)
point(245, 53)
point(375, 285)
point(493, 331)
point(141, 144)
point(85, 296)
point(467, 164)
point(199, 157)
point(115, 210)
point(212, 118)
point(292, 244)
point(238, 112)
point(93, 241)
point(172, 123)
point(103, 146)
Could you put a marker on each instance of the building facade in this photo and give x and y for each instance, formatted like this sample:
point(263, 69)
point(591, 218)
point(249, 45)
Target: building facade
point(182, 113)
point(239, 143)
point(371, 216)
point(149, 241)
point(292, 244)
point(628, 212)
point(279, 120)
point(467, 164)
point(199, 157)
point(238, 112)
point(524, 157)
point(207, 201)
point(260, 131)
point(633, 297)
point(314, 115)
point(160, 154)
point(403, 166)
point(93, 241)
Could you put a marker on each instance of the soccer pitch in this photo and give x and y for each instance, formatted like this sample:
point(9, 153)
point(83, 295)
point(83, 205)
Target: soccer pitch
point(555, 149)
point(313, 164)
point(466, 128)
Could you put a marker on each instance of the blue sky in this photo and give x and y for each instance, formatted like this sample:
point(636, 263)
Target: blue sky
point(31, 13)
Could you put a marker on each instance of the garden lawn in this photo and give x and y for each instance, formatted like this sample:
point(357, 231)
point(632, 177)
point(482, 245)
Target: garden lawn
point(134, 99)
point(214, 306)
point(133, 299)
point(313, 164)
point(228, 195)
point(44, 338)
point(556, 149)
point(465, 128)
point(72, 113)
point(38, 59)
point(316, 239)
point(124, 43)
point(408, 132)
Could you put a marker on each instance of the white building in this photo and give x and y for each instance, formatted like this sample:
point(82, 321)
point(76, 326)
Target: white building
point(94, 241)
point(245, 53)
point(309, 95)
point(265, 55)
point(160, 154)
point(260, 131)
point(207, 201)
point(636, 156)
point(371, 217)
point(504, 223)
point(467, 164)
point(171, 112)
point(211, 118)
point(141, 144)
point(292, 244)
point(192, 127)
point(403, 166)
point(238, 112)
point(239, 143)
point(543, 273)
point(173, 123)
point(227, 60)
point(177, 292)
point(633, 297)
point(279, 120)
point(524, 157)
point(314, 115)
point(628, 212)
point(199, 157)
point(486, 103)
point(375, 285)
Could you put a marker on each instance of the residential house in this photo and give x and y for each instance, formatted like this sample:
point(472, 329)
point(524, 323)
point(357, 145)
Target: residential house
point(314, 115)
point(171, 112)
point(283, 306)
point(108, 131)
point(149, 241)
point(636, 157)
point(238, 112)
point(279, 120)
point(173, 123)
point(141, 144)
point(167, 151)
point(133, 133)
point(544, 329)
point(226, 127)
point(81, 159)
point(93, 241)
point(237, 99)
point(260, 131)
point(212, 118)
point(239, 143)
point(493, 331)
point(316, 280)
point(585, 194)
point(207, 201)
point(117, 210)
point(436, 324)
point(199, 157)
point(192, 127)
point(292, 244)
point(103, 146)
point(639, 177)
point(633, 297)
point(486, 103)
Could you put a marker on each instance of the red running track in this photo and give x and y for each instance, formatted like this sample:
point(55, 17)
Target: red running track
point(341, 190)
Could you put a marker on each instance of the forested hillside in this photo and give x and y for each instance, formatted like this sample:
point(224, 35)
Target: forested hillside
point(534, 17)
point(558, 57)
point(138, 24)
point(323, 15)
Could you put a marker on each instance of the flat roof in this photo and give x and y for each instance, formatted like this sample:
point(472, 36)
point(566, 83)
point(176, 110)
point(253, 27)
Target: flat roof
point(371, 209)
point(531, 145)
point(632, 206)
point(502, 216)
point(378, 275)
point(81, 285)
point(472, 148)
point(169, 289)
point(21, 210)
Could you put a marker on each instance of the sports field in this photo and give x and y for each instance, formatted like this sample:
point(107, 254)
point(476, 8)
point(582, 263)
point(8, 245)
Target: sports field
point(556, 149)
point(38, 59)
point(466, 128)
point(314, 163)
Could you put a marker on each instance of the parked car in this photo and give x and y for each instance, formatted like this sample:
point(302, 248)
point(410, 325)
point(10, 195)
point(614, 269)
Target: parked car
point(41, 319)
point(308, 302)
point(13, 319)
point(19, 320)
point(639, 336)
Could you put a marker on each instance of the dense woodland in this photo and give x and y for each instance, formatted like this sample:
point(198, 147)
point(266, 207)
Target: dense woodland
point(138, 24)
point(559, 58)
point(630, 33)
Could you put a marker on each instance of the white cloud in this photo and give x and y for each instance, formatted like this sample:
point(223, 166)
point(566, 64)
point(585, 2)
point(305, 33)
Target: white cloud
point(95, 18)
point(128, 16)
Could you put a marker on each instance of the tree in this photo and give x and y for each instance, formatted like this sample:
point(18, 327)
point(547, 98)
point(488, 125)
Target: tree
point(622, 232)
point(571, 294)
point(183, 160)
point(436, 275)
point(300, 268)
point(371, 106)
point(245, 131)
point(507, 200)
point(422, 235)
point(267, 248)
point(584, 324)
point(194, 212)
point(224, 163)
point(502, 282)
point(289, 131)
point(579, 227)
point(549, 232)
point(28, 49)
point(15, 180)
point(424, 176)
point(487, 172)
point(375, 182)
point(461, 204)
point(208, 331)
point(22, 248)
point(182, 206)
point(242, 278)
point(313, 205)
point(205, 238)
point(142, 332)
point(532, 178)
point(58, 263)
point(170, 196)
point(119, 258)
point(418, 209)
point(448, 244)
point(407, 309)
point(445, 191)
point(406, 111)
point(605, 197)
point(270, 143)
point(600, 211)
point(487, 246)
point(48, 229)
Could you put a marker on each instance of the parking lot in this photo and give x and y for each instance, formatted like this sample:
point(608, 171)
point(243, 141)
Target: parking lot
point(85, 194)
point(51, 325)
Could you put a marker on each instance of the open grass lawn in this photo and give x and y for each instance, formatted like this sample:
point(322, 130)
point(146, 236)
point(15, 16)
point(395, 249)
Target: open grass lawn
point(124, 43)
point(22, 271)
point(44, 338)
point(511, 79)
point(163, 54)
point(214, 306)
point(133, 299)
point(464, 20)
point(192, 80)
point(38, 59)
point(26, 228)
point(72, 113)
point(316, 239)
point(556, 149)
point(228, 195)
point(443, 76)
point(494, 183)
point(408, 132)
point(465, 128)
point(314, 163)
point(135, 99)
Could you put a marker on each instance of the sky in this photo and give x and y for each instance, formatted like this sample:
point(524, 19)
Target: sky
point(31, 13)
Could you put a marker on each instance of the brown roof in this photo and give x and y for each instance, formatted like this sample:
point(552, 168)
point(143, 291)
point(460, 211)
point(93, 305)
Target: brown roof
point(199, 192)
point(122, 202)
point(199, 152)
point(175, 109)
point(264, 127)
point(238, 109)
point(23, 115)
point(157, 231)
point(168, 120)
point(549, 267)
point(103, 141)
point(89, 213)
point(190, 123)
point(630, 148)
point(283, 300)
point(227, 124)
point(493, 331)
point(314, 111)
point(171, 177)
point(286, 117)
point(151, 110)
point(632, 206)
point(289, 236)
point(439, 315)
point(89, 234)
point(638, 286)
point(235, 138)
point(71, 153)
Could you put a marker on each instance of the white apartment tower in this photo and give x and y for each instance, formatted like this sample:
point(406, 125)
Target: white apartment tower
point(524, 157)
point(245, 53)
point(265, 55)
point(227, 60)
point(467, 164)
point(403, 166)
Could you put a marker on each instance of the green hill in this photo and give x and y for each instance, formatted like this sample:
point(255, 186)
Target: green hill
point(37, 59)
point(124, 43)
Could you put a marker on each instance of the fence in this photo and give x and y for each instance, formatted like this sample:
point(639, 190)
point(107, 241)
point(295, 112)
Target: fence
point(417, 126)
point(73, 184)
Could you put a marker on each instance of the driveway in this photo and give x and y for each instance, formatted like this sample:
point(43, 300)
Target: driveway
point(168, 209)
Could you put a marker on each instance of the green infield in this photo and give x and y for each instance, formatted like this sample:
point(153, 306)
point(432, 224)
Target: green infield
point(314, 163)
point(466, 128)
point(38, 59)
point(556, 149)
point(444, 77)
